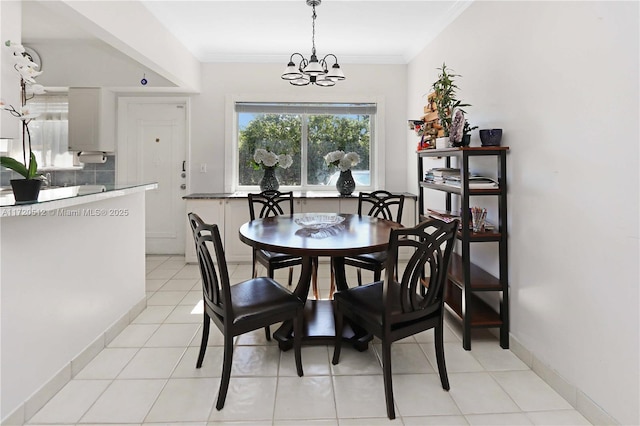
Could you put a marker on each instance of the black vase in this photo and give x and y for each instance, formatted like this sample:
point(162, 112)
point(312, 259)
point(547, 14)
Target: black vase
point(26, 190)
point(345, 184)
point(269, 181)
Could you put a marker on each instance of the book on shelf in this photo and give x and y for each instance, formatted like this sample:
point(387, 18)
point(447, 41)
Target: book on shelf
point(439, 174)
point(475, 182)
point(444, 171)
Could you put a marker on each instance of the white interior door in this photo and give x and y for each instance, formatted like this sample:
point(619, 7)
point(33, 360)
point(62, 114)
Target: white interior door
point(155, 152)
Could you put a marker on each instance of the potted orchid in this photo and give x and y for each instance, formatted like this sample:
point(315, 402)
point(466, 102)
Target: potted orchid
point(466, 133)
point(27, 189)
point(344, 162)
point(268, 160)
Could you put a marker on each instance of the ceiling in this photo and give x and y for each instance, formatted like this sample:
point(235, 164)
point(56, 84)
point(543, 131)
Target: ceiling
point(356, 31)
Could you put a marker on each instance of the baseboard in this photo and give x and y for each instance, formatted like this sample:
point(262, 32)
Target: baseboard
point(39, 398)
point(574, 396)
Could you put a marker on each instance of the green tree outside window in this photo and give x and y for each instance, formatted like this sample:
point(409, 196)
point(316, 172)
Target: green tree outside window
point(283, 133)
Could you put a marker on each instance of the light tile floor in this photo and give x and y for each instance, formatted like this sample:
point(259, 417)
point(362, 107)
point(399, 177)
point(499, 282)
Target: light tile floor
point(147, 375)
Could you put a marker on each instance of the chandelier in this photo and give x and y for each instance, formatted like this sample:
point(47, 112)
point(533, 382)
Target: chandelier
point(313, 71)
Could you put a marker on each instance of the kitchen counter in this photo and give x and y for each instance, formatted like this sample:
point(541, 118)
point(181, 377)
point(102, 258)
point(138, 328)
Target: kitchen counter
point(72, 276)
point(66, 196)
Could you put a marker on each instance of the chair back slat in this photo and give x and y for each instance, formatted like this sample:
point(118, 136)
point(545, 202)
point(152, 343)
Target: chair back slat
point(270, 203)
point(215, 281)
point(381, 204)
point(432, 242)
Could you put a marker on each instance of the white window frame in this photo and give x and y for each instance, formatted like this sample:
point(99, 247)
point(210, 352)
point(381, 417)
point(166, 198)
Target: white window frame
point(376, 147)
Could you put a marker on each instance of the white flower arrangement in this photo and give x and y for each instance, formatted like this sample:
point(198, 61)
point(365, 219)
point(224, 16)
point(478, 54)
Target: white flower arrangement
point(267, 159)
point(23, 64)
point(343, 161)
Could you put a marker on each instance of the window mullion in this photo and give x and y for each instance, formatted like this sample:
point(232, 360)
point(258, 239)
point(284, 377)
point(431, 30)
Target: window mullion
point(304, 150)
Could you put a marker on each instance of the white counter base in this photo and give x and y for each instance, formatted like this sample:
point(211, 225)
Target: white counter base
point(72, 276)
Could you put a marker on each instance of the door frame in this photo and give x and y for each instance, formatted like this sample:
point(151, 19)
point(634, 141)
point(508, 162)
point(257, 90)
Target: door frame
point(122, 147)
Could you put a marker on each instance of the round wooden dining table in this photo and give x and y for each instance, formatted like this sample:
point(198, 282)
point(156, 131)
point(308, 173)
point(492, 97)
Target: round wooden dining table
point(355, 235)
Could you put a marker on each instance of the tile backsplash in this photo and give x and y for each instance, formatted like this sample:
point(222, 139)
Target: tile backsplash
point(90, 174)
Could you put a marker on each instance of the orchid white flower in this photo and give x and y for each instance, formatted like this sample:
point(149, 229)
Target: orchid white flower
point(27, 114)
point(28, 74)
point(35, 89)
point(16, 48)
point(24, 61)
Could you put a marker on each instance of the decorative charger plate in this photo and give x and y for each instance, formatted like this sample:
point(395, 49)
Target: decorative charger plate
point(319, 221)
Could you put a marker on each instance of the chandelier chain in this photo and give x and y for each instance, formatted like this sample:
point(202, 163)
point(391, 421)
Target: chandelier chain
point(313, 30)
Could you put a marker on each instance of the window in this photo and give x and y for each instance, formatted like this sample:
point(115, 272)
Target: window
point(306, 131)
point(50, 131)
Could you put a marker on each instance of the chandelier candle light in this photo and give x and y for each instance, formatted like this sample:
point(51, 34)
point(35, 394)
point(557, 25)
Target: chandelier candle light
point(313, 71)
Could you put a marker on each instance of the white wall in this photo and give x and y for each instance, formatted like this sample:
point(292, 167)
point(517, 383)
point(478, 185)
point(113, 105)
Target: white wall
point(132, 29)
point(259, 79)
point(90, 63)
point(561, 79)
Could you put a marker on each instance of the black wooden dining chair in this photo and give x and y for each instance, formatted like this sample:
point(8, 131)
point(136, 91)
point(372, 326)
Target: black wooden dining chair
point(274, 203)
point(392, 310)
point(239, 308)
point(380, 204)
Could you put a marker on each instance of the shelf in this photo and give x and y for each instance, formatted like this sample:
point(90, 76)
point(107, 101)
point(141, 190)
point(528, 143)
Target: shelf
point(457, 190)
point(486, 236)
point(480, 279)
point(465, 280)
point(471, 150)
point(482, 314)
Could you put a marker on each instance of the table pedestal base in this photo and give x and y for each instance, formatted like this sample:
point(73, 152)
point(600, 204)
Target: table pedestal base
point(319, 328)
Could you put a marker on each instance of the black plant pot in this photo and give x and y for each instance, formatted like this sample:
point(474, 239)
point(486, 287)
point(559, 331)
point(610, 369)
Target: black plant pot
point(26, 190)
point(466, 140)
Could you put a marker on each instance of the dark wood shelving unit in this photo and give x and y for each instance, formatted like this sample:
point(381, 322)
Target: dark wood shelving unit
point(467, 280)
point(482, 314)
